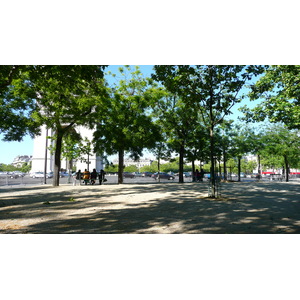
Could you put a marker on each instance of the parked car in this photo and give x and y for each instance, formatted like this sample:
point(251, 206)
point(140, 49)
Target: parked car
point(254, 175)
point(19, 173)
point(138, 174)
point(206, 175)
point(63, 174)
point(163, 175)
point(49, 175)
point(187, 174)
point(128, 175)
point(12, 175)
point(37, 175)
point(147, 174)
point(3, 174)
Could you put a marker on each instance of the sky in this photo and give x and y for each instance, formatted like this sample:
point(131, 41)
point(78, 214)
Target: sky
point(10, 150)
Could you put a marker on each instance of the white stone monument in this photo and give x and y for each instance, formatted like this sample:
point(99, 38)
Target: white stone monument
point(39, 153)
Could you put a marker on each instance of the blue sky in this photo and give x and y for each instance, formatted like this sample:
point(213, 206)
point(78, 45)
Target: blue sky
point(10, 150)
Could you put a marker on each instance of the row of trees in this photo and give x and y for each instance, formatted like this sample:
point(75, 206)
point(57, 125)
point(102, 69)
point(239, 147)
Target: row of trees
point(246, 167)
point(275, 146)
point(25, 168)
point(178, 110)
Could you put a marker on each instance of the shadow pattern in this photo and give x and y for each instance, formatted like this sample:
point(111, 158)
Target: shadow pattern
point(182, 208)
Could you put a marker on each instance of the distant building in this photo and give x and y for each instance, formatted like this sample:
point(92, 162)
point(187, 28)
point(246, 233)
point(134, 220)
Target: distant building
point(20, 160)
point(142, 162)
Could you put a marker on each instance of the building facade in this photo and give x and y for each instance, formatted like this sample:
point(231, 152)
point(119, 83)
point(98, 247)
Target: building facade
point(20, 160)
point(42, 156)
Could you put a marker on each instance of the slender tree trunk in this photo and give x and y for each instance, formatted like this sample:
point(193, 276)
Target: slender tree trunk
point(158, 169)
point(224, 164)
point(181, 155)
point(212, 161)
point(259, 167)
point(121, 166)
point(287, 168)
point(193, 170)
point(212, 141)
point(239, 169)
point(57, 155)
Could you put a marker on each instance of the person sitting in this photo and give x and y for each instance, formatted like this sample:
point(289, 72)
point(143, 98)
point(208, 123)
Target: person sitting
point(94, 176)
point(197, 175)
point(86, 176)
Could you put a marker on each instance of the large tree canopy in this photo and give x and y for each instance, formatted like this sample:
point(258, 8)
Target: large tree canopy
point(124, 121)
point(211, 89)
point(279, 89)
point(16, 103)
point(59, 97)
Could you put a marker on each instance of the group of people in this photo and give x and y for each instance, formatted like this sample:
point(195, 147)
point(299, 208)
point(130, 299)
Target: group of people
point(198, 176)
point(91, 177)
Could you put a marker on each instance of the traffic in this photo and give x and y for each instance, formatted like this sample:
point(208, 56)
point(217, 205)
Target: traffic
point(19, 178)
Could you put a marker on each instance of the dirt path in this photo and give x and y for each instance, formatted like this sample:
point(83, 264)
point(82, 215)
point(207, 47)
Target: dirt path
point(151, 208)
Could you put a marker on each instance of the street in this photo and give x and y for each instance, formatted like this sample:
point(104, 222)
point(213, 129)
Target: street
point(111, 179)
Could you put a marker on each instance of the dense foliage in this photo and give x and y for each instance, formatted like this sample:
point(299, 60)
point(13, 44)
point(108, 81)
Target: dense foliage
point(180, 111)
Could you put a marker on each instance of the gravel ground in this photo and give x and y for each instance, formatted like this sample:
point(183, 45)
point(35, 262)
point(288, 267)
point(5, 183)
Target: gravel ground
point(167, 207)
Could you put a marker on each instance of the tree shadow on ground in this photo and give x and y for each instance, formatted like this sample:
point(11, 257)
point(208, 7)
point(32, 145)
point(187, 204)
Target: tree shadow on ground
point(257, 208)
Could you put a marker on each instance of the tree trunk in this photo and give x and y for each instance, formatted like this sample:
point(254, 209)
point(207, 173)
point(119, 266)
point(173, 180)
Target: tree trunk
point(193, 170)
point(259, 167)
point(158, 169)
point(239, 169)
point(287, 168)
point(121, 166)
point(212, 162)
point(57, 155)
point(224, 164)
point(181, 155)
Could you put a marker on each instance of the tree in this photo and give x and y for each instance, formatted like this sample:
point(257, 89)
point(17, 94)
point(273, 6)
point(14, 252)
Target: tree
point(282, 142)
point(62, 96)
point(111, 168)
point(242, 144)
point(197, 147)
point(26, 167)
point(224, 134)
point(152, 168)
point(124, 121)
point(161, 151)
point(16, 103)
point(279, 90)
point(212, 90)
point(131, 168)
point(178, 121)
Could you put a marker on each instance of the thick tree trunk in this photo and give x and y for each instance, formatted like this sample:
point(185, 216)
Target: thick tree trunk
point(57, 155)
point(181, 155)
point(121, 166)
